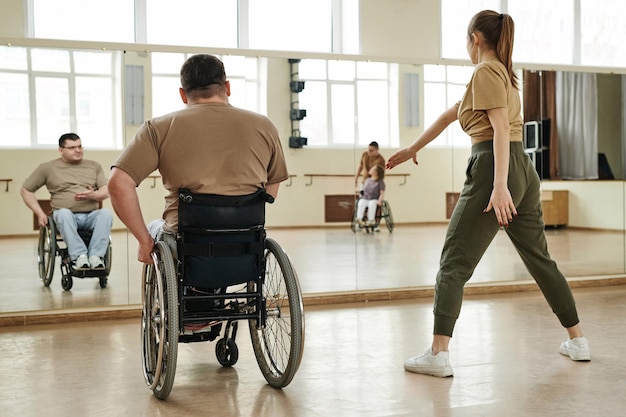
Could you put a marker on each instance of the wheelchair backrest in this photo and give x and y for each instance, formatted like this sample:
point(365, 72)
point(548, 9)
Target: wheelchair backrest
point(221, 239)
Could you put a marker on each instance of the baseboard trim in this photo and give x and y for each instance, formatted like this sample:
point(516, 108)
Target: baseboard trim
point(316, 299)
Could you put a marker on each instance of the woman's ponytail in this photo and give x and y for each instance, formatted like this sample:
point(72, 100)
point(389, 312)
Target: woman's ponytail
point(498, 30)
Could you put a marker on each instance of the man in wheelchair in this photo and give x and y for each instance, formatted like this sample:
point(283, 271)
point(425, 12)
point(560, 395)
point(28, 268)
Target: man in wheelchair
point(220, 165)
point(77, 187)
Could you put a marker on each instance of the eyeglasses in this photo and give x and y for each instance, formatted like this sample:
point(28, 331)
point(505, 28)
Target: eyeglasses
point(71, 148)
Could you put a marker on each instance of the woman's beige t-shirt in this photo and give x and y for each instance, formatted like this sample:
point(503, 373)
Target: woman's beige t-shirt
point(489, 88)
point(209, 148)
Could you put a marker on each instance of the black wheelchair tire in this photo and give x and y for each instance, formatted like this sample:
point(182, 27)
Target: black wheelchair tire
point(67, 282)
point(159, 322)
point(388, 216)
point(46, 252)
point(227, 352)
point(285, 320)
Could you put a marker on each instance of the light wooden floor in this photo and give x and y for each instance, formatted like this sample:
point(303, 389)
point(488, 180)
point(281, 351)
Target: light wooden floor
point(504, 353)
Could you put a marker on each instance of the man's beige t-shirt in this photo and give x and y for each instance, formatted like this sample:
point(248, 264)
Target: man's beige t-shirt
point(211, 148)
point(368, 162)
point(64, 180)
point(489, 88)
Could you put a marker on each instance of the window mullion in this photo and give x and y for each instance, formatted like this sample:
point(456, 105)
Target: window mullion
point(32, 100)
point(141, 21)
point(243, 24)
point(71, 77)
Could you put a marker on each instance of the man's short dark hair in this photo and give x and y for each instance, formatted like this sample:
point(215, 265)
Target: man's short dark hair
point(200, 72)
point(67, 136)
point(374, 144)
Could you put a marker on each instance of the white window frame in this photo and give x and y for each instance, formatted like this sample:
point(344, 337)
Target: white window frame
point(115, 136)
point(389, 109)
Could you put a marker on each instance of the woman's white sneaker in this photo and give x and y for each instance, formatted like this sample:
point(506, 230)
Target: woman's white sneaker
point(429, 364)
point(577, 349)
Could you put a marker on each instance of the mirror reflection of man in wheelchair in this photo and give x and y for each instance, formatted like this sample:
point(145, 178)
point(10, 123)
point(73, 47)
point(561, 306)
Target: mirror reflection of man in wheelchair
point(77, 188)
point(220, 165)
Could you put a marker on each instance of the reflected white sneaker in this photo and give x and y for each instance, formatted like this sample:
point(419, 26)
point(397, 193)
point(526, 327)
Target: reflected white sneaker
point(81, 263)
point(577, 349)
point(96, 262)
point(429, 364)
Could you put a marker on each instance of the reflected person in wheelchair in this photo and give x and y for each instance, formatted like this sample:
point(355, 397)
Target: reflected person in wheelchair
point(209, 147)
point(372, 196)
point(77, 187)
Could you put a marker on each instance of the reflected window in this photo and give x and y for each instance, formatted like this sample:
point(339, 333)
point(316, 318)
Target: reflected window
point(349, 103)
point(245, 74)
point(14, 110)
point(71, 91)
point(444, 85)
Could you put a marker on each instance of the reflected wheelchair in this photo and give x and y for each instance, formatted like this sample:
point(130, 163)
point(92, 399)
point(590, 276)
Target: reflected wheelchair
point(383, 212)
point(218, 269)
point(51, 245)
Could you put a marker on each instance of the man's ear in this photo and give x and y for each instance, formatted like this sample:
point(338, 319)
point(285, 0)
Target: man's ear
point(227, 88)
point(183, 95)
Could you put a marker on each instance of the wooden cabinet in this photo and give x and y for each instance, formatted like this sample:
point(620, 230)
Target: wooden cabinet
point(555, 204)
point(339, 208)
point(451, 200)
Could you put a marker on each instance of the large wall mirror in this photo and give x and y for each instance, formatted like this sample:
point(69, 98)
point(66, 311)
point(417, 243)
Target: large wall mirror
point(328, 255)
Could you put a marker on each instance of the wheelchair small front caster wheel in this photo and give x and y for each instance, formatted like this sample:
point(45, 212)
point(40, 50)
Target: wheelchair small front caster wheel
point(67, 282)
point(227, 352)
point(103, 282)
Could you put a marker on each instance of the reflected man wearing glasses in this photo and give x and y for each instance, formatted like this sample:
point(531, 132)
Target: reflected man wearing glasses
point(76, 186)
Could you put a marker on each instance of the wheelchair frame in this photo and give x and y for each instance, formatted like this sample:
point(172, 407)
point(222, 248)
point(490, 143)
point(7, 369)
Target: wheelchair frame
point(271, 301)
point(382, 212)
point(51, 245)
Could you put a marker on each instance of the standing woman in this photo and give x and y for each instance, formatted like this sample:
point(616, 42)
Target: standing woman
point(501, 190)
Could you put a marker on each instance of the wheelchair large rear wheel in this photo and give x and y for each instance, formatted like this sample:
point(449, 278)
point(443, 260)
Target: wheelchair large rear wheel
point(108, 256)
point(46, 252)
point(159, 322)
point(386, 212)
point(278, 346)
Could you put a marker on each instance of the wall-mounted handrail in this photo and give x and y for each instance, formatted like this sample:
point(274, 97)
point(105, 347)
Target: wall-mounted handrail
point(153, 178)
point(310, 182)
point(290, 183)
point(6, 181)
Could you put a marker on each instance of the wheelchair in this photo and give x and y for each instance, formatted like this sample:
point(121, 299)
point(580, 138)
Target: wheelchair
point(51, 245)
point(382, 212)
point(219, 269)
